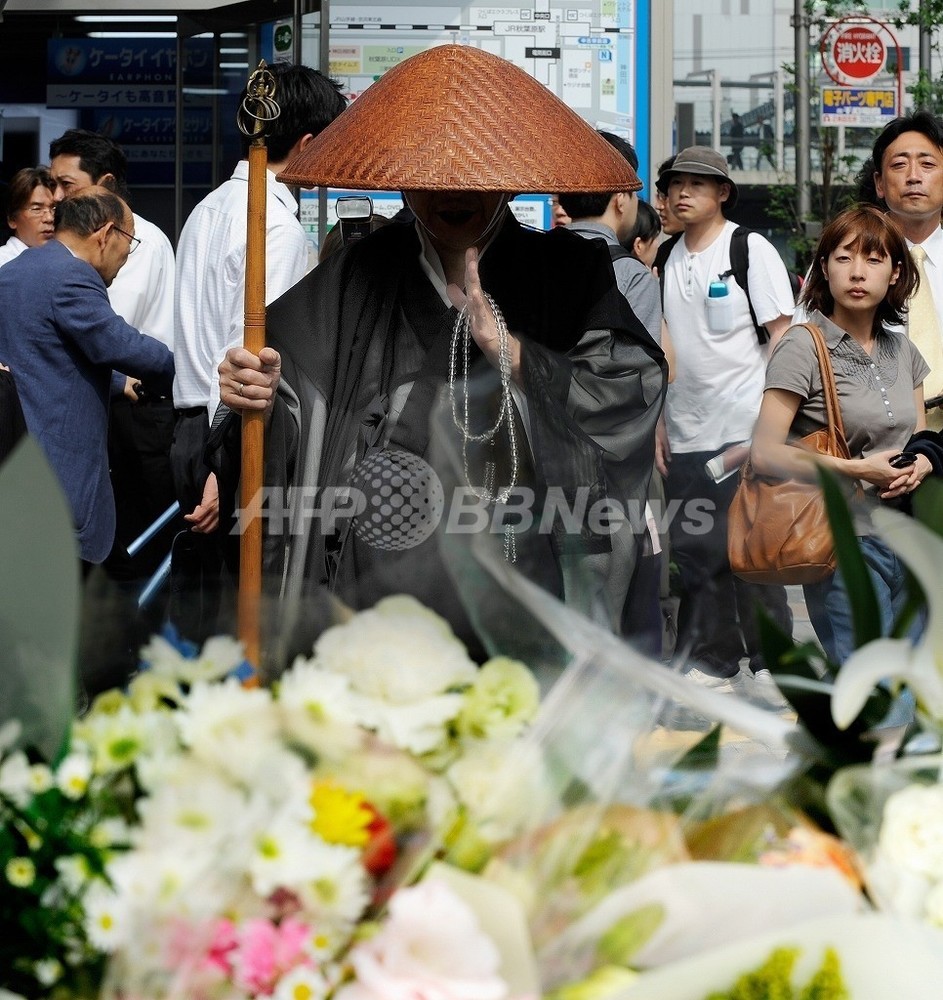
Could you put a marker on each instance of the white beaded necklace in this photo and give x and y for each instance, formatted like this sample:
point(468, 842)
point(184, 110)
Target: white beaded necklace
point(461, 335)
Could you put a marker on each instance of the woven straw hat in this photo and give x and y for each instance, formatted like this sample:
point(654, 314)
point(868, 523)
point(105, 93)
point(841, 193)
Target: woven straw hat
point(458, 118)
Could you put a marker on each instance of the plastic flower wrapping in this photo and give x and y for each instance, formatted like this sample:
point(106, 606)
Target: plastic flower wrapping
point(388, 818)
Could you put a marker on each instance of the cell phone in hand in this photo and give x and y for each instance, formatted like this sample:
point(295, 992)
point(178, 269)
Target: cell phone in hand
point(902, 461)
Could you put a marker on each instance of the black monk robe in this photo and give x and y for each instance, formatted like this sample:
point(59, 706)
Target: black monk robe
point(364, 341)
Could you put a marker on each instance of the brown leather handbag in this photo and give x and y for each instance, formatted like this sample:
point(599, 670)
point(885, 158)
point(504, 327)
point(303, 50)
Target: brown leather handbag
point(777, 529)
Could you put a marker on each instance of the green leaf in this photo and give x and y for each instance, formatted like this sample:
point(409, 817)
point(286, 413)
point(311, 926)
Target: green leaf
point(928, 504)
point(628, 935)
point(786, 660)
point(865, 613)
point(704, 755)
point(39, 601)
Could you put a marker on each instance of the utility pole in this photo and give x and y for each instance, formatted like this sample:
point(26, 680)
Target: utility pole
point(800, 24)
point(924, 41)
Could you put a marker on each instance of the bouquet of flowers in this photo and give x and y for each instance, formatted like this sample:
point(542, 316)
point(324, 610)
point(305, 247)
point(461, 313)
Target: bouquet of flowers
point(203, 838)
point(199, 837)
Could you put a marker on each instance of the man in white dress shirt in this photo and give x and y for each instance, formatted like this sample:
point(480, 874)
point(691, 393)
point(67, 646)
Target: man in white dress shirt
point(210, 297)
point(30, 211)
point(141, 423)
point(908, 176)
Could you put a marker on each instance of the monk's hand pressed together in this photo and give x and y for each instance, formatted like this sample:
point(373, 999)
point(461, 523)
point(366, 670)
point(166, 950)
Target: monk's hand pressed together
point(482, 324)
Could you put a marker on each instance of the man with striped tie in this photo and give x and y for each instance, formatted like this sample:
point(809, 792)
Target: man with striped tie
point(908, 162)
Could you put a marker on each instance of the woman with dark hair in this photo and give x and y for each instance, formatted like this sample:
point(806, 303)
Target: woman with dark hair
point(642, 242)
point(857, 290)
point(30, 211)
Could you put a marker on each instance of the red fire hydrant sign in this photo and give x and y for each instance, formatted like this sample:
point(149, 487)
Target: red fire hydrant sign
point(859, 53)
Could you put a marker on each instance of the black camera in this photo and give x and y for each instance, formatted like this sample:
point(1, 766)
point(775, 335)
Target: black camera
point(354, 215)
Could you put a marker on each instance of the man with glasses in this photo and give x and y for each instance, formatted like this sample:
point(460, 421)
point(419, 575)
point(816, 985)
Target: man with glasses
point(66, 345)
point(141, 424)
point(30, 211)
point(143, 293)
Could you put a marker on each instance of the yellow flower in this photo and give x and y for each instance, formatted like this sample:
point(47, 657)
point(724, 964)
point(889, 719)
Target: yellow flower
point(20, 872)
point(340, 817)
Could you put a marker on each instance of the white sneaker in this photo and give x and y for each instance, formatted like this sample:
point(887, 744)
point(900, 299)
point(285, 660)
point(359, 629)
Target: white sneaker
point(766, 691)
point(726, 685)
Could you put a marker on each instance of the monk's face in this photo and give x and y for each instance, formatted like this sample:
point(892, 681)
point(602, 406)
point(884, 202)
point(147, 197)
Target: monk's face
point(456, 219)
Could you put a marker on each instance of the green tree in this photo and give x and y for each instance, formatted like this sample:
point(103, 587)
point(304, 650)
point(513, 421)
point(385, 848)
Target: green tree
point(839, 183)
point(926, 15)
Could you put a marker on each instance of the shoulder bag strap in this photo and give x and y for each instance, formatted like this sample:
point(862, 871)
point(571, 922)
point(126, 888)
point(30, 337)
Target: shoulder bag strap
point(837, 443)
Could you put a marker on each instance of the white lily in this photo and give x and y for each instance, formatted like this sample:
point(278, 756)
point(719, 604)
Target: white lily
point(919, 665)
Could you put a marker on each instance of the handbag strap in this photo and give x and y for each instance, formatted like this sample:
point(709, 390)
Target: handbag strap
point(836, 428)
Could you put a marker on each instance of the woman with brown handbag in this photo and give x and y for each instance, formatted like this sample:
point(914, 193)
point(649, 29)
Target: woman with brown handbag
point(857, 290)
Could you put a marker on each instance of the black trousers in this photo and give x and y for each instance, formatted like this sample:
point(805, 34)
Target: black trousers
point(204, 570)
point(139, 440)
point(717, 614)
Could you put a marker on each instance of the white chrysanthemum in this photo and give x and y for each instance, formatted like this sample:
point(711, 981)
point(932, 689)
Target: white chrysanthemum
point(397, 652)
point(115, 739)
point(150, 692)
point(111, 832)
point(218, 657)
point(335, 892)
point(153, 884)
point(281, 782)
point(74, 774)
point(503, 786)
point(912, 830)
point(283, 854)
point(20, 872)
point(40, 779)
point(48, 971)
point(228, 725)
point(74, 872)
point(154, 769)
point(107, 922)
point(197, 809)
point(318, 710)
point(325, 941)
point(15, 779)
point(302, 983)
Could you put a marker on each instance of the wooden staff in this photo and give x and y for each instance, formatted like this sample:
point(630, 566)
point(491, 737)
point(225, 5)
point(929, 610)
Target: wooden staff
point(258, 111)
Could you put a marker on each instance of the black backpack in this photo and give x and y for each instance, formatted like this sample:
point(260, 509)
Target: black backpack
point(739, 265)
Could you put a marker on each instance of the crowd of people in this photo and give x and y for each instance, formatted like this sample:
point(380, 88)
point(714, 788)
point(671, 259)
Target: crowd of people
point(633, 357)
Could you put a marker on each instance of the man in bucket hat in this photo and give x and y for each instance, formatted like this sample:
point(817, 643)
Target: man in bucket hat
point(712, 405)
point(362, 346)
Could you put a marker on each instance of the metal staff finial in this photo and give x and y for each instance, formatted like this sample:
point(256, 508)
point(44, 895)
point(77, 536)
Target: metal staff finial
point(259, 109)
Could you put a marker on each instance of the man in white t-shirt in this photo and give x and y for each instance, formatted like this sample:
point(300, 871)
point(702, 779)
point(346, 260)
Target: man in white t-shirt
point(908, 177)
point(712, 404)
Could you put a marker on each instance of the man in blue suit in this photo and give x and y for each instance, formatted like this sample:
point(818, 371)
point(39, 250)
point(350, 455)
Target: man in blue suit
point(65, 346)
